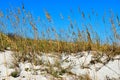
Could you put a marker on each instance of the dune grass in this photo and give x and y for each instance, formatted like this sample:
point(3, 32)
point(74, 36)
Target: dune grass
point(51, 40)
point(48, 40)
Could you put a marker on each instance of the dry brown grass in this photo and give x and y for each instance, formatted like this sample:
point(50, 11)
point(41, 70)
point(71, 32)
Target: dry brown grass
point(75, 41)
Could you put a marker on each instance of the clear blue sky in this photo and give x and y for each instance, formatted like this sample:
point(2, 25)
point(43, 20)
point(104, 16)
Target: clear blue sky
point(55, 7)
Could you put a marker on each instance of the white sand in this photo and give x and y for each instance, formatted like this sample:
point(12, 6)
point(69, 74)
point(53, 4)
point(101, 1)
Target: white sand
point(74, 62)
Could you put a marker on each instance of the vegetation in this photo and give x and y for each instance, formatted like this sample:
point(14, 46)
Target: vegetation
point(26, 36)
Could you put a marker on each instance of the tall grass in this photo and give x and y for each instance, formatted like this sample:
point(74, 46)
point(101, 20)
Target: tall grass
point(31, 35)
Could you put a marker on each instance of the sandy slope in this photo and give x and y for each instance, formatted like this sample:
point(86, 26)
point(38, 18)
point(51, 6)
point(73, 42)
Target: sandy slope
point(79, 64)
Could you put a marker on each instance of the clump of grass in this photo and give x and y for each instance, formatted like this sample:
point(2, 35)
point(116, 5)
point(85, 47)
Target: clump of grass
point(15, 74)
point(84, 77)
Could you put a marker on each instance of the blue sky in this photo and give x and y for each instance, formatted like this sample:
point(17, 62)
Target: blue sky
point(69, 8)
